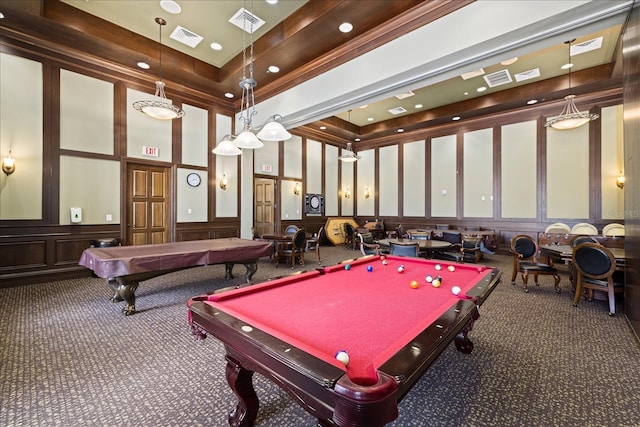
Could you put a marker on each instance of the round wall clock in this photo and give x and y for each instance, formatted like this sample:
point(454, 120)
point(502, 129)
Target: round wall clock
point(193, 179)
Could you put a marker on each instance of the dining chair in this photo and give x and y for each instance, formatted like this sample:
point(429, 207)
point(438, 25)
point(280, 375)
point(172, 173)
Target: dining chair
point(367, 244)
point(291, 251)
point(313, 243)
point(525, 261)
point(290, 230)
point(584, 228)
point(408, 249)
point(596, 270)
point(558, 227)
point(613, 230)
point(349, 236)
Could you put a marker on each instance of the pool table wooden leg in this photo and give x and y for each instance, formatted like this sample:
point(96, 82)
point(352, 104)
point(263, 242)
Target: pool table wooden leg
point(463, 343)
point(124, 291)
point(241, 382)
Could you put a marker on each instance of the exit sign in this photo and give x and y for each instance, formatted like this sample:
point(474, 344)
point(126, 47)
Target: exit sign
point(150, 151)
point(267, 168)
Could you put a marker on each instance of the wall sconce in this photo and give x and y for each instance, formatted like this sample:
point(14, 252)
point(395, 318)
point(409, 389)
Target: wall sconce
point(296, 189)
point(367, 193)
point(224, 183)
point(8, 164)
point(620, 180)
point(347, 193)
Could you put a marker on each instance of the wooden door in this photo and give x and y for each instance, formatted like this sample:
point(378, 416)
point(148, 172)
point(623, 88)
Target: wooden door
point(147, 204)
point(264, 193)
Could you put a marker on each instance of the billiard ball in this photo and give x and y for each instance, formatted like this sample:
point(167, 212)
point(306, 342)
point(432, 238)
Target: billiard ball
point(369, 268)
point(455, 290)
point(413, 284)
point(451, 268)
point(429, 279)
point(401, 269)
point(438, 267)
point(347, 267)
point(342, 356)
point(435, 283)
point(385, 262)
point(382, 257)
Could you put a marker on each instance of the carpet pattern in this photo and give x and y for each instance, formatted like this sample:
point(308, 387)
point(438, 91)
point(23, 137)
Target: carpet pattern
point(68, 357)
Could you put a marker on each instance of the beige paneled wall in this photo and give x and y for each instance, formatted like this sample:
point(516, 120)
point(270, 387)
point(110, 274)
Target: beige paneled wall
point(314, 167)
point(265, 159)
point(331, 181)
point(347, 190)
point(477, 158)
point(21, 132)
point(92, 185)
point(388, 181)
point(443, 176)
point(144, 131)
point(612, 152)
point(293, 157)
point(413, 176)
point(291, 205)
point(191, 201)
point(226, 167)
point(195, 136)
point(568, 173)
point(366, 182)
point(519, 176)
point(86, 126)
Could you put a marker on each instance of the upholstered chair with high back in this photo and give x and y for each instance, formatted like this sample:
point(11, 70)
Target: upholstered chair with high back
point(291, 251)
point(349, 236)
point(525, 261)
point(596, 269)
point(367, 244)
point(410, 249)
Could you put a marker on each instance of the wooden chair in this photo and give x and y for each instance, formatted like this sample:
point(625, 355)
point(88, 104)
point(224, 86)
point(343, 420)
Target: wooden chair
point(419, 235)
point(367, 244)
point(291, 251)
point(613, 229)
point(411, 249)
point(596, 270)
point(470, 249)
point(313, 243)
point(558, 227)
point(290, 230)
point(525, 261)
point(349, 236)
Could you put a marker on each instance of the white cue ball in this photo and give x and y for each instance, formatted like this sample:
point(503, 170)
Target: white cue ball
point(455, 290)
point(342, 356)
point(438, 267)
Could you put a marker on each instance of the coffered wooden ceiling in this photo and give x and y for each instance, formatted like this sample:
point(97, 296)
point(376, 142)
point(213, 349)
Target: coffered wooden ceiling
point(302, 39)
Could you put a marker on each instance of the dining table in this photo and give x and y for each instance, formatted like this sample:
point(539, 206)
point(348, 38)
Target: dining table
point(427, 247)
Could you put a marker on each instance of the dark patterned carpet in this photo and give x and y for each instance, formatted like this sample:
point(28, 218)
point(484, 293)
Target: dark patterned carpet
point(70, 358)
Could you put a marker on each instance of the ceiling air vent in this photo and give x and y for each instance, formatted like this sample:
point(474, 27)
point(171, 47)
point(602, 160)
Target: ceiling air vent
point(526, 75)
point(397, 110)
point(246, 21)
point(587, 46)
point(405, 95)
point(498, 78)
point(185, 36)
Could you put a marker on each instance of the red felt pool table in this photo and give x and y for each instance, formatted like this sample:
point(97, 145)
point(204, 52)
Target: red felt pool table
point(290, 330)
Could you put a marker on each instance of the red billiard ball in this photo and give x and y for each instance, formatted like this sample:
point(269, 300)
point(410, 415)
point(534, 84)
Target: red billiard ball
point(413, 284)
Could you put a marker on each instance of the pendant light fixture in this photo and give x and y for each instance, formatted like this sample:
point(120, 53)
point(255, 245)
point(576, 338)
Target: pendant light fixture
point(570, 117)
point(272, 130)
point(348, 155)
point(159, 108)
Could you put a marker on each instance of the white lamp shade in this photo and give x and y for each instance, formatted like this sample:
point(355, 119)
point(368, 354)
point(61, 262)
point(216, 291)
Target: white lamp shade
point(247, 139)
point(273, 131)
point(226, 148)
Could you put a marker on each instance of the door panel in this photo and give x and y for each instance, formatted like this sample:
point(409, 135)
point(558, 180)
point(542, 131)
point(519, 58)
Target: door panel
point(264, 208)
point(148, 204)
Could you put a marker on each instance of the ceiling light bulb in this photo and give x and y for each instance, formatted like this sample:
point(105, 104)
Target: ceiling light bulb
point(228, 95)
point(345, 27)
point(273, 69)
point(170, 6)
point(481, 89)
point(566, 66)
point(418, 106)
point(216, 46)
point(143, 65)
point(455, 118)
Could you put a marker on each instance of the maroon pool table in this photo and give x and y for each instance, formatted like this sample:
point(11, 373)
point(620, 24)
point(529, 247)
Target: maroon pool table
point(291, 329)
point(125, 266)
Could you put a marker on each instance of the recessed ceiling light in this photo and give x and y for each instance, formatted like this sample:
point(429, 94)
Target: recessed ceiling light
point(369, 119)
point(170, 6)
point(466, 93)
point(273, 69)
point(455, 118)
point(1, 15)
point(228, 95)
point(363, 106)
point(509, 61)
point(272, 1)
point(345, 27)
point(418, 106)
point(566, 66)
point(532, 101)
point(323, 127)
point(143, 65)
point(481, 89)
point(400, 130)
point(357, 139)
point(216, 46)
